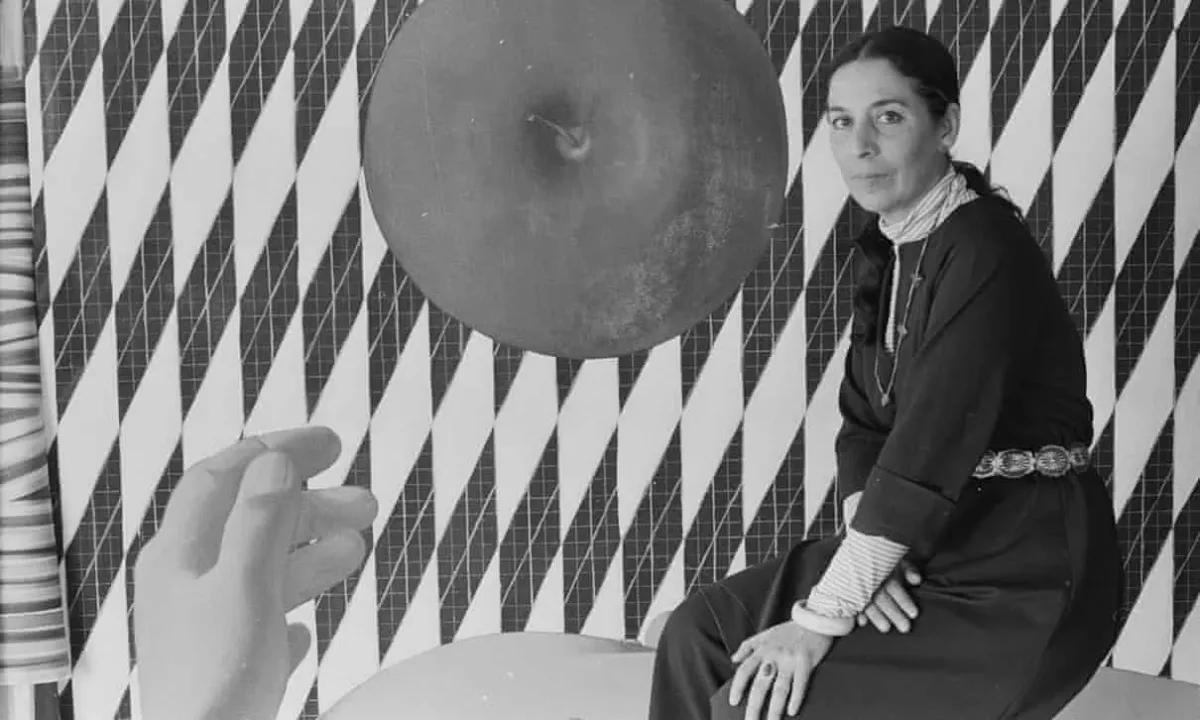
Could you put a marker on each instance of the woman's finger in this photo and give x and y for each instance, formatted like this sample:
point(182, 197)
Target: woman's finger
point(887, 605)
point(780, 691)
point(799, 688)
point(875, 615)
point(741, 678)
point(764, 680)
point(903, 599)
point(911, 574)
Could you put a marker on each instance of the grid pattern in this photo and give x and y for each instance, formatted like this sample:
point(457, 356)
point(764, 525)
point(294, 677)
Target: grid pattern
point(209, 265)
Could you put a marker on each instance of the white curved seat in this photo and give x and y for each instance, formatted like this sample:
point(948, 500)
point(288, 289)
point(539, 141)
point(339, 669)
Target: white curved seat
point(522, 676)
point(551, 676)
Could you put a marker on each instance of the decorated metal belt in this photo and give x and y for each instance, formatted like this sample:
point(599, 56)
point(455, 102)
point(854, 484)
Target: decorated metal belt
point(1051, 460)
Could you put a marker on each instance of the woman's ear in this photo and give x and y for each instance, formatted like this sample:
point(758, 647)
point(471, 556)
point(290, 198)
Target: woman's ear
point(949, 126)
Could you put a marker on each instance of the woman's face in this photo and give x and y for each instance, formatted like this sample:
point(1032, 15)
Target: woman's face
point(890, 149)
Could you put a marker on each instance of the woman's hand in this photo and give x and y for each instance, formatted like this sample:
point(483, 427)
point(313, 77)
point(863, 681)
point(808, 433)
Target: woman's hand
point(776, 663)
point(892, 605)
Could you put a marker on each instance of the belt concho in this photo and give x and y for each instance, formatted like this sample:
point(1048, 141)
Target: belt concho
point(1051, 460)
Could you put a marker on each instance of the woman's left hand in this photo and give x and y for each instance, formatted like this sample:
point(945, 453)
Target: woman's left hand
point(776, 663)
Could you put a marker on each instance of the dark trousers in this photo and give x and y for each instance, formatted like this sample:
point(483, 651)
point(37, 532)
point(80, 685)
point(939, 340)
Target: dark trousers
point(1018, 608)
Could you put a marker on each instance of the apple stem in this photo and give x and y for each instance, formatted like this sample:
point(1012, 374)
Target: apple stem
point(573, 143)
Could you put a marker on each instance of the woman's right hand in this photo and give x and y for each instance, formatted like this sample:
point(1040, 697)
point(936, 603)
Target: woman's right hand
point(892, 605)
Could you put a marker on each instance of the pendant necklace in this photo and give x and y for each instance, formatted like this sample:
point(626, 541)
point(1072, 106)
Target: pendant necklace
point(902, 328)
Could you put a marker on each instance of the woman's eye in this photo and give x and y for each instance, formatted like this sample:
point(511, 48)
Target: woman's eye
point(839, 123)
point(890, 117)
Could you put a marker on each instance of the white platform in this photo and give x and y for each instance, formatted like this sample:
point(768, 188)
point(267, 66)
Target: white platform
point(1123, 695)
point(548, 676)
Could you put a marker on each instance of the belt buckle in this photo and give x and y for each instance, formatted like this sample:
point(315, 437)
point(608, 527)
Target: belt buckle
point(1053, 461)
point(1013, 464)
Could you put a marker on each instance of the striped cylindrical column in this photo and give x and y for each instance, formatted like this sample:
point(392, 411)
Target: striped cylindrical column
point(34, 651)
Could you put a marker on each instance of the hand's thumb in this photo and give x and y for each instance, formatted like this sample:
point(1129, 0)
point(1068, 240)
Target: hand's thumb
point(298, 639)
point(261, 525)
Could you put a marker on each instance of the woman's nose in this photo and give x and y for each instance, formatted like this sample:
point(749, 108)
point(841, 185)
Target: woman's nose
point(862, 141)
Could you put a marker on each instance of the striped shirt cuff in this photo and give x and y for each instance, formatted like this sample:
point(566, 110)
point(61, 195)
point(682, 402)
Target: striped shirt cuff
point(858, 569)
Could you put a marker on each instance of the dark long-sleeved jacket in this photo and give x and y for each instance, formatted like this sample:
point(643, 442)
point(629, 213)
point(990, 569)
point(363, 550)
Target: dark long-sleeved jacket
point(992, 360)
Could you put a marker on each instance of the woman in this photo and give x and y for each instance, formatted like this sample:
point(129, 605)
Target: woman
point(963, 452)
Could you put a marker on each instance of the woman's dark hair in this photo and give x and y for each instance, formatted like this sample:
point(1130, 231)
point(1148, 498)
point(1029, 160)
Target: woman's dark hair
point(927, 62)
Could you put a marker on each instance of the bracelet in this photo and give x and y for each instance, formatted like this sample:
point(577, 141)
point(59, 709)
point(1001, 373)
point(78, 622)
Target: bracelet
point(821, 624)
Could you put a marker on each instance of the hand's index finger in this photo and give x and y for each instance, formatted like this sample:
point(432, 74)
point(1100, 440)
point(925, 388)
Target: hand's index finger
point(190, 534)
point(311, 449)
point(261, 524)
